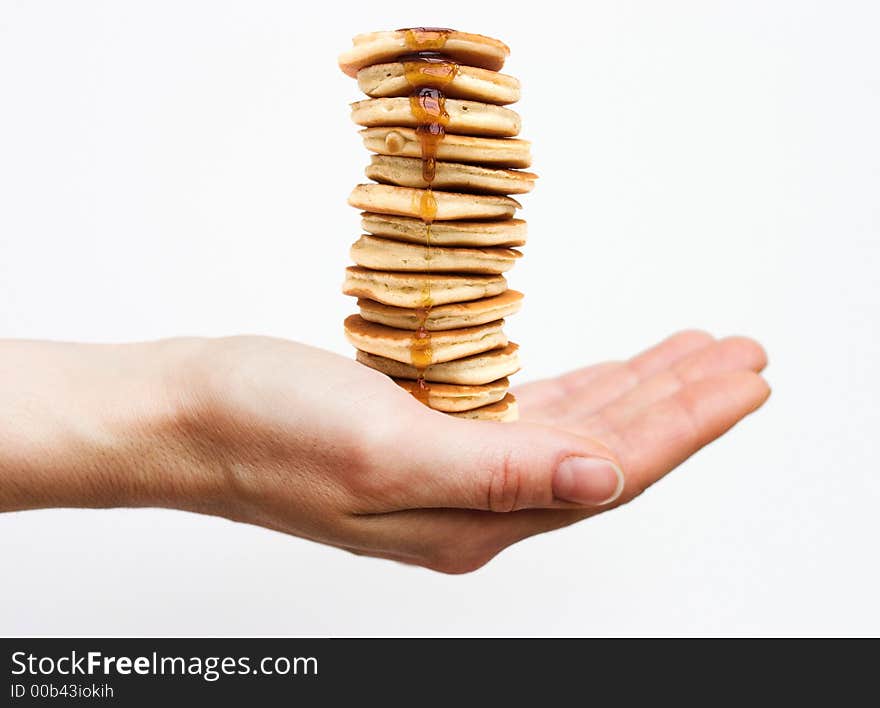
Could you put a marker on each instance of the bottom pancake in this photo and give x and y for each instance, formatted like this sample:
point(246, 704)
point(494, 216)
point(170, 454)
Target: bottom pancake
point(451, 398)
point(473, 370)
point(505, 411)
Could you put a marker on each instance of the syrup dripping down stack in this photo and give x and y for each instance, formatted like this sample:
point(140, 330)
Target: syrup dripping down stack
point(438, 218)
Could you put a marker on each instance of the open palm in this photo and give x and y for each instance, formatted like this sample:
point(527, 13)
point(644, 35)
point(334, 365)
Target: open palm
point(350, 459)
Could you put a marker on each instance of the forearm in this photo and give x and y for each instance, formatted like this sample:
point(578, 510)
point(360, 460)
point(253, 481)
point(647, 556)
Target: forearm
point(96, 425)
point(282, 435)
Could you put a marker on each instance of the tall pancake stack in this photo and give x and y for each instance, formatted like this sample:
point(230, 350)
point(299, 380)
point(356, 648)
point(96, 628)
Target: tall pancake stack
point(438, 218)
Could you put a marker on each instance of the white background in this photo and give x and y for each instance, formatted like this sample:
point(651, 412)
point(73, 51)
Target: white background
point(182, 168)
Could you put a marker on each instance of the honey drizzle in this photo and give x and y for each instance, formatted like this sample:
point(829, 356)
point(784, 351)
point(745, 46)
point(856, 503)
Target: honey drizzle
point(420, 39)
point(421, 350)
point(428, 72)
point(428, 106)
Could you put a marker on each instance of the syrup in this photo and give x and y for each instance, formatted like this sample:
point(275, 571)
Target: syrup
point(422, 391)
point(427, 72)
point(422, 56)
point(421, 349)
point(428, 106)
point(425, 38)
point(430, 73)
point(427, 208)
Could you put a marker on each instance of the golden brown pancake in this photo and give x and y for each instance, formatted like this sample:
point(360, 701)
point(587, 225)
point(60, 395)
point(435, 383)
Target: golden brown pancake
point(465, 117)
point(453, 176)
point(419, 289)
point(481, 234)
point(495, 152)
point(377, 47)
point(469, 82)
point(471, 371)
point(385, 254)
point(404, 201)
point(410, 347)
point(505, 411)
point(451, 398)
point(442, 317)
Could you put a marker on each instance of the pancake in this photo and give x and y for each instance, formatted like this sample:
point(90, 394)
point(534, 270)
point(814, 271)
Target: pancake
point(505, 411)
point(405, 201)
point(446, 233)
point(413, 289)
point(468, 82)
point(376, 47)
point(473, 370)
point(455, 176)
point(408, 347)
point(404, 142)
point(385, 254)
point(451, 398)
point(442, 317)
point(465, 117)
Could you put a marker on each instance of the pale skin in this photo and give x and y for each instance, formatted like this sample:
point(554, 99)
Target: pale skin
point(313, 444)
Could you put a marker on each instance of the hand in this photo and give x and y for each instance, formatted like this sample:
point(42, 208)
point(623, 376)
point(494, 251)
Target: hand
point(321, 447)
point(313, 444)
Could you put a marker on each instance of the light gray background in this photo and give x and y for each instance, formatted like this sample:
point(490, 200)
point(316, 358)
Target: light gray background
point(182, 168)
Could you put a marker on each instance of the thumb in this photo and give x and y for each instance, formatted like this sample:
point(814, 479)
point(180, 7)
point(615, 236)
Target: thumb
point(503, 467)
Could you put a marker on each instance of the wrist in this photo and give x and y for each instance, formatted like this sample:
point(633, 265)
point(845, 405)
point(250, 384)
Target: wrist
point(101, 426)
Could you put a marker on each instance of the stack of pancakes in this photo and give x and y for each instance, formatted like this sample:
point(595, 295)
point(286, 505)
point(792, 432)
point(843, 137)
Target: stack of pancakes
point(438, 219)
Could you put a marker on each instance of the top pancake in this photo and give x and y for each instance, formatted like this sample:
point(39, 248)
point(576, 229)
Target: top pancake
point(469, 82)
point(462, 47)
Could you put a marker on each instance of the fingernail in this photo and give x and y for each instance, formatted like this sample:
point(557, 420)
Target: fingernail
point(592, 481)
